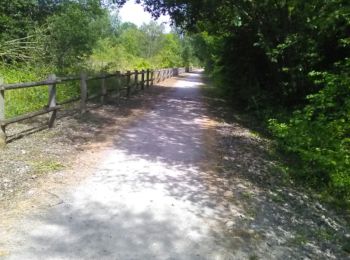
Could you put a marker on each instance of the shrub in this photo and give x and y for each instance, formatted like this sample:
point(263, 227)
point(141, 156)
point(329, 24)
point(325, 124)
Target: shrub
point(319, 134)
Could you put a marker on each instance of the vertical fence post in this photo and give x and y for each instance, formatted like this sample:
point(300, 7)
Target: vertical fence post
point(152, 77)
point(147, 78)
point(143, 79)
point(128, 84)
point(136, 78)
point(83, 93)
point(52, 100)
point(103, 90)
point(2, 116)
point(118, 83)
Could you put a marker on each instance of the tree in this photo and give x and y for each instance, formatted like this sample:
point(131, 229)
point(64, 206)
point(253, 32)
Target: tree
point(153, 39)
point(72, 33)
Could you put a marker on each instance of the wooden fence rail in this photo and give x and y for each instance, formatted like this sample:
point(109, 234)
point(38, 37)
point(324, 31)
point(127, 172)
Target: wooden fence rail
point(134, 80)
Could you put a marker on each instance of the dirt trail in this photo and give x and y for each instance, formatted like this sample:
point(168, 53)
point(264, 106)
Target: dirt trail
point(155, 195)
point(147, 199)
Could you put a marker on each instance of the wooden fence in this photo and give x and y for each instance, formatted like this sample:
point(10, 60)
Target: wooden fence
point(133, 80)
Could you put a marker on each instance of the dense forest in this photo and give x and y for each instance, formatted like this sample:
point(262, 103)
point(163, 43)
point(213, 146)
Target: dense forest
point(285, 61)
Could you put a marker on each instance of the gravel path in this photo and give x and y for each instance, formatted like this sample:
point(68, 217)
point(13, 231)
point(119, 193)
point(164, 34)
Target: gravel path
point(161, 191)
point(147, 199)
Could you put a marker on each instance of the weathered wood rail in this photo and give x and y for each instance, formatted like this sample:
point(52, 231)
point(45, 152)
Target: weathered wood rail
point(133, 80)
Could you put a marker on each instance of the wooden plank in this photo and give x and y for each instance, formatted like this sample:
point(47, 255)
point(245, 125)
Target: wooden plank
point(29, 84)
point(68, 78)
point(28, 116)
point(52, 100)
point(2, 116)
point(83, 93)
point(102, 76)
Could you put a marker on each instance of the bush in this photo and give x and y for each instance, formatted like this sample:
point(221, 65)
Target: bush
point(319, 134)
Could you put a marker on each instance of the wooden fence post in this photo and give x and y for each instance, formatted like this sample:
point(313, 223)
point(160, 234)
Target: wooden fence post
point(83, 93)
point(152, 78)
point(52, 100)
point(128, 84)
point(2, 116)
point(136, 77)
point(103, 90)
point(147, 78)
point(118, 83)
point(143, 79)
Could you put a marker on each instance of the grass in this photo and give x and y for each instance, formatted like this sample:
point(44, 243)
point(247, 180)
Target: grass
point(22, 101)
point(44, 166)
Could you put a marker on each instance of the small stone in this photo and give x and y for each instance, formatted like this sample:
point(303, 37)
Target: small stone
point(229, 224)
point(228, 194)
point(30, 192)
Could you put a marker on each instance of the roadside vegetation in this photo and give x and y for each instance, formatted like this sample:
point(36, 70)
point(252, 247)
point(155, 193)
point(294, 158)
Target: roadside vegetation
point(66, 37)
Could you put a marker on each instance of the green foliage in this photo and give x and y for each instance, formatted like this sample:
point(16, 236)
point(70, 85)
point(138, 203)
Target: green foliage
point(24, 100)
point(72, 34)
point(139, 48)
point(16, 18)
point(319, 133)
